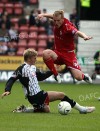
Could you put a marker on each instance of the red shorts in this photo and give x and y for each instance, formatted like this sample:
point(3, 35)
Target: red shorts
point(67, 58)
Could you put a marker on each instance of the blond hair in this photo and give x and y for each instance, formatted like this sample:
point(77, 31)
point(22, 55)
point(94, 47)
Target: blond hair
point(28, 53)
point(59, 12)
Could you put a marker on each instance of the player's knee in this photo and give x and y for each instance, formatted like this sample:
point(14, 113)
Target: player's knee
point(62, 94)
point(47, 109)
point(45, 52)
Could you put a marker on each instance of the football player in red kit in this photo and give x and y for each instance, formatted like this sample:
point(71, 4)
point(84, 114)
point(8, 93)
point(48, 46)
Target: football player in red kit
point(63, 52)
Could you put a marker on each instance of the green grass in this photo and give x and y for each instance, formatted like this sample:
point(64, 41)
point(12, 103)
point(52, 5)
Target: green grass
point(84, 94)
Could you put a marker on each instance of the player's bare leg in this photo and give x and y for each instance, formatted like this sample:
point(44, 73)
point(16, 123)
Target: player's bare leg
point(49, 57)
point(79, 75)
point(53, 96)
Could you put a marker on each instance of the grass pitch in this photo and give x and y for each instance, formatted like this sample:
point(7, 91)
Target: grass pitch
point(84, 94)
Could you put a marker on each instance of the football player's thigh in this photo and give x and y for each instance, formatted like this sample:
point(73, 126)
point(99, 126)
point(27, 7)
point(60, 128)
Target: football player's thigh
point(49, 53)
point(54, 95)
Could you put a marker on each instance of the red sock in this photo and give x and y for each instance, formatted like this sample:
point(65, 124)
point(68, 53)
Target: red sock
point(50, 65)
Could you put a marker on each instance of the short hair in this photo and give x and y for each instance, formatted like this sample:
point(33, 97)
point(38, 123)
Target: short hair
point(44, 10)
point(59, 12)
point(28, 53)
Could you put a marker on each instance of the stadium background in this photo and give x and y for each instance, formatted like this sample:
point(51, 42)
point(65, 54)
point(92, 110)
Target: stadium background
point(26, 32)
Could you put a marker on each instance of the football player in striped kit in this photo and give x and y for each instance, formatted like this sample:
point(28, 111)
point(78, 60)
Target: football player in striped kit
point(29, 76)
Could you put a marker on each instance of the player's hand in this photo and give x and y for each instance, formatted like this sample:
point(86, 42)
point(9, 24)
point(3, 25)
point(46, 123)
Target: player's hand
point(88, 38)
point(5, 94)
point(39, 17)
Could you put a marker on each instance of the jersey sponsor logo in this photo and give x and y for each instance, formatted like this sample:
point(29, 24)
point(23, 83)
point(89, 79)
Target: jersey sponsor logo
point(60, 38)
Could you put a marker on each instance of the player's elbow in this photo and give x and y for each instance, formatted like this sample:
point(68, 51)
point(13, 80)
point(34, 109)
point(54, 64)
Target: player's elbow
point(78, 33)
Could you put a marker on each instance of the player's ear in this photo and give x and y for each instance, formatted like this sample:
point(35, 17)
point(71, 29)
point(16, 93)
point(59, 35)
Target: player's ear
point(29, 59)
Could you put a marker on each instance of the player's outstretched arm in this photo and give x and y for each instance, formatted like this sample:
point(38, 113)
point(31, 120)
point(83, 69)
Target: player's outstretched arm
point(43, 75)
point(40, 16)
point(8, 87)
point(83, 35)
point(5, 94)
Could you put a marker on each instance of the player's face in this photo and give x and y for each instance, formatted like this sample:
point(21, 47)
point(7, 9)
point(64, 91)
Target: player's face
point(58, 21)
point(33, 60)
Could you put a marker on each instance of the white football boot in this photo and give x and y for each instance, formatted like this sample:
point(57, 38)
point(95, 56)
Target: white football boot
point(87, 110)
point(88, 79)
point(20, 109)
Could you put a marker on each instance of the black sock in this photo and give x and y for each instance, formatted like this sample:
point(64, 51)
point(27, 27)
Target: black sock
point(85, 78)
point(72, 102)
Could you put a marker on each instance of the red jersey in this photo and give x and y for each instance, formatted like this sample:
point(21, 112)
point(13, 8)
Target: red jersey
point(64, 37)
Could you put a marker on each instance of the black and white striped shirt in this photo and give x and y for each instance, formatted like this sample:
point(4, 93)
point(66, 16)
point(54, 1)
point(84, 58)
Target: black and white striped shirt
point(29, 76)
